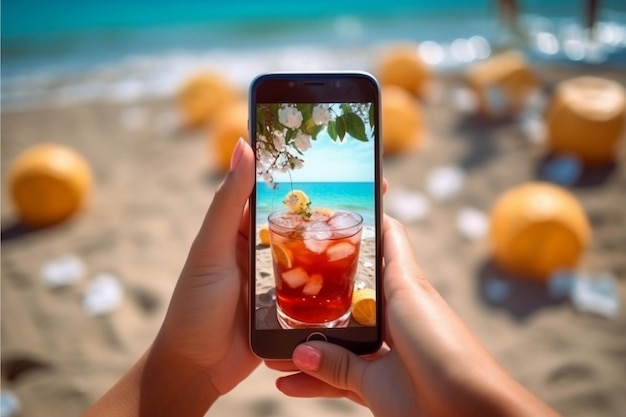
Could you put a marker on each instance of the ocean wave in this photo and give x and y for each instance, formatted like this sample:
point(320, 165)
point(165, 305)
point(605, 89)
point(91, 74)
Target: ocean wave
point(138, 76)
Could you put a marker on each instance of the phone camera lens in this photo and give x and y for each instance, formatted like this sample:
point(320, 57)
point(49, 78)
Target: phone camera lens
point(291, 84)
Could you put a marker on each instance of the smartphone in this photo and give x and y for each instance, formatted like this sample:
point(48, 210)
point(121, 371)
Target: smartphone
point(315, 212)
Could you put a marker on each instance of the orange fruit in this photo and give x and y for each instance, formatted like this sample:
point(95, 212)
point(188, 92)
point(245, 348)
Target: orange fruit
point(401, 66)
point(537, 229)
point(230, 125)
point(586, 117)
point(282, 255)
point(48, 183)
point(202, 97)
point(402, 122)
point(502, 84)
point(364, 306)
point(264, 234)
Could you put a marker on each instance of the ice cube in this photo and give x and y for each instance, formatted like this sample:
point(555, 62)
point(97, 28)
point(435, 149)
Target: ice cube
point(344, 223)
point(296, 277)
point(287, 221)
point(317, 231)
point(340, 251)
point(407, 205)
point(321, 215)
point(314, 285)
point(103, 295)
point(62, 271)
point(596, 295)
point(444, 183)
point(563, 170)
point(472, 223)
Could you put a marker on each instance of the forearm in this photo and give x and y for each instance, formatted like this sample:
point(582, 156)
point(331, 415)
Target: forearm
point(157, 385)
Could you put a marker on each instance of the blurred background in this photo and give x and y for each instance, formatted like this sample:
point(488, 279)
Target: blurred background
point(503, 130)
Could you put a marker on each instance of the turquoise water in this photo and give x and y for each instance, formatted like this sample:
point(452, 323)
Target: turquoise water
point(353, 196)
point(74, 51)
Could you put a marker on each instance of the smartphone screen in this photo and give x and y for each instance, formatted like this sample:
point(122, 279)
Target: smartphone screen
point(316, 258)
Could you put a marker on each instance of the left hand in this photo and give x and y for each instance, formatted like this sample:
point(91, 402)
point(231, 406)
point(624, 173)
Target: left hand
point(206, 327)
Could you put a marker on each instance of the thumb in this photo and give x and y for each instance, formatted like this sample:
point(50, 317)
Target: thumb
point(218, 233)
point(331, 364)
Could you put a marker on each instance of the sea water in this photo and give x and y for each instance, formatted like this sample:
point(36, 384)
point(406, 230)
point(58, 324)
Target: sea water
point(74, 51)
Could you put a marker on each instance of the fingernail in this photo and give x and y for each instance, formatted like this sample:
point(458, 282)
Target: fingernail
point(307, 358)
point(237, 152)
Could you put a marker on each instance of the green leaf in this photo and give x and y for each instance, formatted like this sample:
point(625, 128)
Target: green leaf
point(371, 114)
point(316, 130)
point(355, 126)
point(332, 130)
point(290, 135)
point(306, 109)
point(341, 127)
point(308, 126)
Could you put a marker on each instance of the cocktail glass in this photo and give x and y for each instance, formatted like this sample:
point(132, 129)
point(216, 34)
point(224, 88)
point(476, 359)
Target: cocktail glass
point(315, 262)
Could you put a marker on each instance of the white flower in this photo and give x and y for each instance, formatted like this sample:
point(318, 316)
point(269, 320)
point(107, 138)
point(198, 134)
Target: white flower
point(321, 115)
point(267, 177)
point(290, 117)
point(279, 141)
point(303, 142)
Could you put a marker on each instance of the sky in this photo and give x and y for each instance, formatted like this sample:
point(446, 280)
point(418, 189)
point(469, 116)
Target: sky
point(328, 161)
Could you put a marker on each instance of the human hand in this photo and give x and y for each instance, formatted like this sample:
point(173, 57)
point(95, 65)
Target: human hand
point(432, 364)
point(202, 350)
point(206, 326)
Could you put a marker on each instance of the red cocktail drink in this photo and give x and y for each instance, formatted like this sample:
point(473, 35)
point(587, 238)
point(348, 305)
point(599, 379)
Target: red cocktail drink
point(315, 261)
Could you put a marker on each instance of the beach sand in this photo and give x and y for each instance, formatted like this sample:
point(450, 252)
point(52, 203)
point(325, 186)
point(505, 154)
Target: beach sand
point(153, 185)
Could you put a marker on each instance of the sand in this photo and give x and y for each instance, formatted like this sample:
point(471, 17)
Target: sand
point(153, 185)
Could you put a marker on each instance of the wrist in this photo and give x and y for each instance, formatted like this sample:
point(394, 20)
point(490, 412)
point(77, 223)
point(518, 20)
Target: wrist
point(172, 385)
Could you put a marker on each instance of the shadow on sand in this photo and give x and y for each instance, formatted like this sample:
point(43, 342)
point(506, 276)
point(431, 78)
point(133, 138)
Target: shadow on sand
point(519, 296)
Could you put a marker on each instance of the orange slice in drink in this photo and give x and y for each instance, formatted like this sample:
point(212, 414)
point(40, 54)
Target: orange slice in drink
point(282, 255)
point(364, 306)
point(296, 201)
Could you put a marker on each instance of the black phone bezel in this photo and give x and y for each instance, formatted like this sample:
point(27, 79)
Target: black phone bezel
point(324, 87)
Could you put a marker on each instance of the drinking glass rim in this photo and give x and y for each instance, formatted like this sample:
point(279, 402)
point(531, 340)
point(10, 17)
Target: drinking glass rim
point(283, 211)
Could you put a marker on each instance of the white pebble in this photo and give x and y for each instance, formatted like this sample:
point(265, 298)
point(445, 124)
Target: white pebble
point(445, 183)
point(472, 223)
point(9, 404)
point(596, 295)
point(103, 295)
point(407, 205)
point(65, 270)
point(534, 128)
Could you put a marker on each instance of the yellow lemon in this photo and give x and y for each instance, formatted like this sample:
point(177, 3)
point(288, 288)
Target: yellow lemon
point(49, 182)
point(364, 306)
point(537, 229)
point(296, 201)
point(264, 234)
point(282, 255)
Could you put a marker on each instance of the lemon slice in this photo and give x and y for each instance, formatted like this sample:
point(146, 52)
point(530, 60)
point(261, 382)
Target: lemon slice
point(364, 306)
point(296, 201)
point(282, 255)
point(264, 234)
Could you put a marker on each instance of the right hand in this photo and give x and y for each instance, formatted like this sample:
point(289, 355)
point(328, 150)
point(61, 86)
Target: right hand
point(432, 364)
